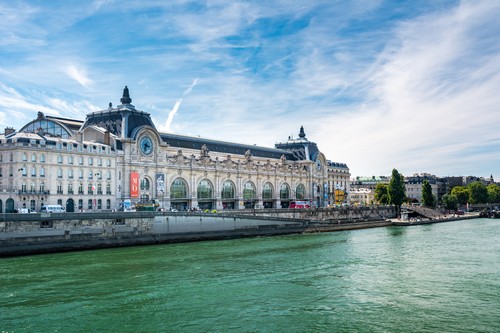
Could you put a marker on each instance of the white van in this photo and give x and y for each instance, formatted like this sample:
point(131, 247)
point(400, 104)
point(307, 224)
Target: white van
point(25, 211)
point(53, 209)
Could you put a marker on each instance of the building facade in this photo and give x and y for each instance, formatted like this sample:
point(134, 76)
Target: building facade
point(116, 157)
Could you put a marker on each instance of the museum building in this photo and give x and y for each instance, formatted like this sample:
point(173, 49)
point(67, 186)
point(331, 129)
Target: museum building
point(116, 157)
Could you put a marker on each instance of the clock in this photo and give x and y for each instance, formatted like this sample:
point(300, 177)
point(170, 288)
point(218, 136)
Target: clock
point(318, 165)
point(146, 145)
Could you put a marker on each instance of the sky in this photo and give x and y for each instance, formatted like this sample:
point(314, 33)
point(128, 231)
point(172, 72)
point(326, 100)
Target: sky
point(411, 85)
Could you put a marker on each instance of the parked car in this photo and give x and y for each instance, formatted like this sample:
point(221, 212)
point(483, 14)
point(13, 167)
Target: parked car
point(460, 212)
point(25, 211)
point(299, 204)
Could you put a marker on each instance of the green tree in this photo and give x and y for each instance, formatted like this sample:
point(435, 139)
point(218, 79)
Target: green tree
point(396, 190)
point(461, 193)
point(477, 193)
point(428, 198)
point(381, 195)
point(493, 193)
point(450, 202)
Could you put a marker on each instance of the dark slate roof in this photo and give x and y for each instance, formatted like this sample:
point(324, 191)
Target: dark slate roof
point(298, 149)
point(188, 142)
point(336, 164)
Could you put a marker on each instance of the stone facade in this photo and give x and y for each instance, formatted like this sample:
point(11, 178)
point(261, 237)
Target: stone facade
point(116, 158)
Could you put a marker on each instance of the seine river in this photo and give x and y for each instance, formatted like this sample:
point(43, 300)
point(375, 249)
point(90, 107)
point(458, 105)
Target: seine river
point(432, 278)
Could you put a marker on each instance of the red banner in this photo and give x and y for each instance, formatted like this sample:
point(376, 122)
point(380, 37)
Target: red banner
point(134, 184)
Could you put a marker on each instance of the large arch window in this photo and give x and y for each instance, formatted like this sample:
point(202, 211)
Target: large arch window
point(178, 189)
point(267, 191)
point(300, 192)
point(228, 190)
point(48, 127)
point(205, 190)
point(248, 191)
point(284, 191)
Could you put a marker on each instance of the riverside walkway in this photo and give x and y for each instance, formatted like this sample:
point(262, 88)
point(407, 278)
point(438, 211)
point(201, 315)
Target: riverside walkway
point(43, 233)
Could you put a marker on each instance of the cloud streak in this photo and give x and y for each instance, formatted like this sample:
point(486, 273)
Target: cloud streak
point(171, 114)
point(377, 86)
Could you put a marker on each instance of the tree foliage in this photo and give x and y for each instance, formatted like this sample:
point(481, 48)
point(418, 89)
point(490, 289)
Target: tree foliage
point(428, 198)
point(493, 193)
point(396, 190)
point(450, 202)
point(461, 193)
point(477, 193)
point(381, 193)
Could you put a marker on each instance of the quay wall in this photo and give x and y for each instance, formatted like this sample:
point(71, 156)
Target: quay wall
point(23, 234)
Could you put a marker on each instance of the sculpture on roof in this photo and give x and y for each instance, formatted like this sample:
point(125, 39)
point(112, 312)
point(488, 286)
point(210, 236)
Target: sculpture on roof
point(302, 134)
point(126, 97)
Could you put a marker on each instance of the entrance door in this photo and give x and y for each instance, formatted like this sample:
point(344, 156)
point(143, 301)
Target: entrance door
point(9, 205)
point(70, 206)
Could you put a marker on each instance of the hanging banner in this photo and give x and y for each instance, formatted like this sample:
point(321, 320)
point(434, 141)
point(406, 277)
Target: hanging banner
point(160, 184)
point(134, 184)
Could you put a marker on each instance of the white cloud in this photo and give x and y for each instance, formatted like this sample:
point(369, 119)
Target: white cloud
point(79, 74)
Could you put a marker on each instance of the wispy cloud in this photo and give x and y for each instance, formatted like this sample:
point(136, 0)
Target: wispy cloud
point(79, 74)
point(377, 86)
point(177, 104)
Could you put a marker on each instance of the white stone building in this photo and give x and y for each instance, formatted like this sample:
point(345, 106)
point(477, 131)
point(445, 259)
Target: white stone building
point(117, 156)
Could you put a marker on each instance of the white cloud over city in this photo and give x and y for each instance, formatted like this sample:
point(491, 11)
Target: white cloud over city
point(376, 85)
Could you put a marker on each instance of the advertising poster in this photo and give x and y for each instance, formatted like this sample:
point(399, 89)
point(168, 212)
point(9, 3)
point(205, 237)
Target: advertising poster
point(134, 184)
point(160, 184)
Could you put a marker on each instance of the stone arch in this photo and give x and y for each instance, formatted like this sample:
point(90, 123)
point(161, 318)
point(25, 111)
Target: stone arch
point(70, 205)
point(179, 194)
point(249, 194)
point(228, 194)
point(9, 205)
point(300, 192)
point(284, 195)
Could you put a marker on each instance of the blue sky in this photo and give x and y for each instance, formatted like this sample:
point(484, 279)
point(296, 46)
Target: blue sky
point(412, 85)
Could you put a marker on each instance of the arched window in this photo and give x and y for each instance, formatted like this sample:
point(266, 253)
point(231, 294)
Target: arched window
point(248, 191)
point(178, 189)
point(267, 191)
point(284, 191)
point(145, 184)
point(47, 127)
point(228, 190)
point(205, 189)
point(300, 193)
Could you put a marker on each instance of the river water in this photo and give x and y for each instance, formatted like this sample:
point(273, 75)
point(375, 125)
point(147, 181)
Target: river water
point(431, 278)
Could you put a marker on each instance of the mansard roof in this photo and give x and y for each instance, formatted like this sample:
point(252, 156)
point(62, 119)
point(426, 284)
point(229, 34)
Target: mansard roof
point(122, 120)
point(189, 142)
point(301, 148)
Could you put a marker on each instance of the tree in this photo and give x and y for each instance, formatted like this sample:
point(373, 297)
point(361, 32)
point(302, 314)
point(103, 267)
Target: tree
point(396, 190)
point(450, 202)
point(381, 195)
point(461, 193)
point(477, 193)
point(428, 198)
point(493, 193)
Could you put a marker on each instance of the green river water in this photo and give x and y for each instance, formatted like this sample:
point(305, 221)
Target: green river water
point(431, 278)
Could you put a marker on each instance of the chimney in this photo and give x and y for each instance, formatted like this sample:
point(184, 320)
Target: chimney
point(107, 138)
point(9, 130)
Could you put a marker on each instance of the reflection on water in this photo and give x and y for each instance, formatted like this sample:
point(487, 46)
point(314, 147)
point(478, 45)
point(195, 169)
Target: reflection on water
point(397, 279)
